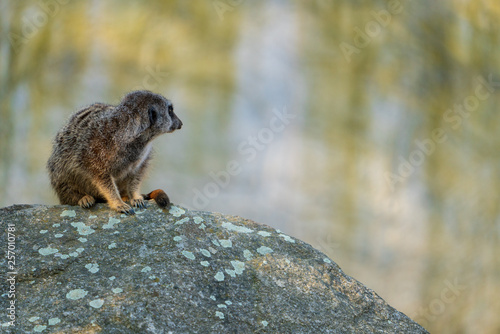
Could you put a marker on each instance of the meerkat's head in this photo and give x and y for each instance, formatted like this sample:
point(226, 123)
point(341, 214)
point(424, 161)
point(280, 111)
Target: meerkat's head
point(150, 114)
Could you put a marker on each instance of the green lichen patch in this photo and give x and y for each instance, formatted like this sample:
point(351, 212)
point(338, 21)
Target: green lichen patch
point(226, 243)
point(188, 254)
point(247, 254)
point(96, 303)
point(76, 294)
point(47, 251)
point(111, 223)
point(176, 211)
point(182, 221)
point(235, 228)
point(39, 328)
point(92, 267)
point(68, 213)
point(83, 229)
point(287, 238)
point(219, 277)
point(205, 252)
point(263, 250)
point(238, 266)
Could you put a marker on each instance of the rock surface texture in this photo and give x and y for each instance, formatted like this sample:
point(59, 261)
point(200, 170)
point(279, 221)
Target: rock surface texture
point(174, 271)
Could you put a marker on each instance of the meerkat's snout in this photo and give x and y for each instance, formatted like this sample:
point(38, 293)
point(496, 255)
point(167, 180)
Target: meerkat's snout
point(179, 124)
point(176, 123)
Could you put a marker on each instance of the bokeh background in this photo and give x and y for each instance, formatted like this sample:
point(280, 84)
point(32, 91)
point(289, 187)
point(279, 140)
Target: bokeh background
point(369, 129)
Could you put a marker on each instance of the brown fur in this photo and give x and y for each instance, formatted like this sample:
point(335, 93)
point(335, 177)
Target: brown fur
point(102, 153)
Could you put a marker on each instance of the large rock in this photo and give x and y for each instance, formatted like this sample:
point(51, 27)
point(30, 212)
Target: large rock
point(177, 271)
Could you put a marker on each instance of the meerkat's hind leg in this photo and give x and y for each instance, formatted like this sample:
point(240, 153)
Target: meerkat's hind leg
point(86, 201)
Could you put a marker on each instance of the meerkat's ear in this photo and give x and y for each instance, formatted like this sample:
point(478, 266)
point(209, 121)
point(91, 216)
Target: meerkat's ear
point(153, 115)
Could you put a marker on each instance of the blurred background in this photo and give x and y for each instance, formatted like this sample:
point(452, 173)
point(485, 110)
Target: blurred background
point(369, 129)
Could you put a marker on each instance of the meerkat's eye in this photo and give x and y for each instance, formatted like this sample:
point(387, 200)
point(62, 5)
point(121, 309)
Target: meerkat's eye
point(153, 116)
point(170, 110)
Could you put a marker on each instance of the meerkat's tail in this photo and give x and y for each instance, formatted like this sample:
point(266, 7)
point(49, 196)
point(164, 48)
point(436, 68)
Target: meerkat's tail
point(160, 198)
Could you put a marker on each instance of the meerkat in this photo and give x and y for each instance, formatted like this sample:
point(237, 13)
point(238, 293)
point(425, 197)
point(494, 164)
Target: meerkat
point(102, 153)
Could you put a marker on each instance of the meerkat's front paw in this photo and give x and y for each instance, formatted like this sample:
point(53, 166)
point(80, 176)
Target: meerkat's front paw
point(138, 202)
point(124, 208)
point(86, 201)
